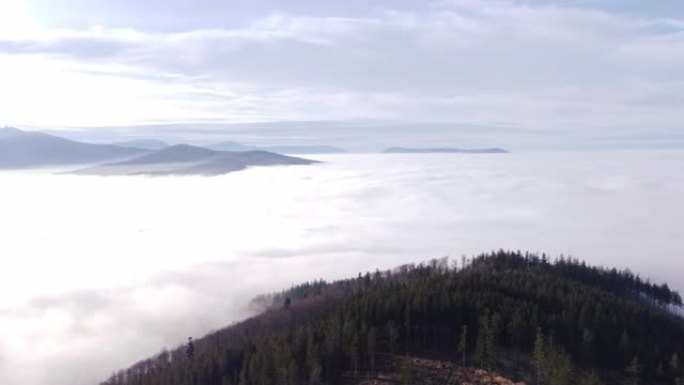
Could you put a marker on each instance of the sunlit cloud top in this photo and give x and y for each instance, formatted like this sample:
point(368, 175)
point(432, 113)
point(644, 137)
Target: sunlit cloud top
point(593, 68)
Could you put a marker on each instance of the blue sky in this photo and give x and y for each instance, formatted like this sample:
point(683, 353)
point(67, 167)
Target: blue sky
point(607, 69)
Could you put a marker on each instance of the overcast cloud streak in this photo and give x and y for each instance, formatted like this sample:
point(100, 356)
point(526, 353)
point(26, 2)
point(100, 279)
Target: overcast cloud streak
point(547, 67)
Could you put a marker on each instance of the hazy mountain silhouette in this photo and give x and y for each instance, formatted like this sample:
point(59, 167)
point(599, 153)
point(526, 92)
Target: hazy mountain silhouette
point(185, 159)
point(180, 153)
point(402, 150)
point(294, 149)
point(145, 144)
point(230, 146)
point(314, 149)
point(7, 132)
point(22, 149)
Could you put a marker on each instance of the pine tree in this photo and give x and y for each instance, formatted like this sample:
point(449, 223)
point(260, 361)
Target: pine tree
point(407, 322)
point(354, 355)
point(406, 372)
point(490, 338)
point(634, 371)
point(481, 353)
point(591, 378)
point(463, 344)
point(371, 350)
point(558, 365)
point(626, 347)
point(675, 369)
point(392, 336)
point(539, 355)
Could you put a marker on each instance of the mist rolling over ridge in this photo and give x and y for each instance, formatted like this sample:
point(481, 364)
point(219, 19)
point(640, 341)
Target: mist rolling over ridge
point(163, 162)
point(143, 279)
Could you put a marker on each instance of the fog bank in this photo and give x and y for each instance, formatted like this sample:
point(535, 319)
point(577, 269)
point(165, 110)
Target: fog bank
point(99, 272)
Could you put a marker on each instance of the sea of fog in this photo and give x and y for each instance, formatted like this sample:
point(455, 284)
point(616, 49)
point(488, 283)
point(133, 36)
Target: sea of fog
point(98, 272)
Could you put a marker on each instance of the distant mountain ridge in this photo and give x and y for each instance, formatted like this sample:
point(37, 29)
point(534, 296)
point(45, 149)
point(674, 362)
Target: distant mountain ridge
point(284, 149)
point(404, 150)
point(179, 153)
point(23, 149)
point(184, 159)
point(145, 144)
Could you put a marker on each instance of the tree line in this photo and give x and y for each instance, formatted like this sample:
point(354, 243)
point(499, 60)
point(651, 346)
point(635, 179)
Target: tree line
point(575, 322)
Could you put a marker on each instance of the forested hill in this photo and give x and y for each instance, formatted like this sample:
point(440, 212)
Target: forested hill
point(531, 319)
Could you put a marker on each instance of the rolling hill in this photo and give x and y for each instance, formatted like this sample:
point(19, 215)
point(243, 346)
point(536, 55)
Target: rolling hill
point(185, 159)
point(145, 144)
point(291, 149)
point(499, 318)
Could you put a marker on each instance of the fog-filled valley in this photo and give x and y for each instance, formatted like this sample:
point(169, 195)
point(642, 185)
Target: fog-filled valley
point(108, 270)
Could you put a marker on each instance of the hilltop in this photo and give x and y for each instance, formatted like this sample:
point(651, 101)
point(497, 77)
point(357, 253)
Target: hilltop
point(503, 317)
point(183, 159)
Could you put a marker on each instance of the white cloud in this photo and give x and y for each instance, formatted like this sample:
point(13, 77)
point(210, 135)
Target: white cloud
point(471, 62)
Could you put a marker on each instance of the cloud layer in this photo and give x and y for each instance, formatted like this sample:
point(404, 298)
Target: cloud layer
point(101, 272)
point(553, 68)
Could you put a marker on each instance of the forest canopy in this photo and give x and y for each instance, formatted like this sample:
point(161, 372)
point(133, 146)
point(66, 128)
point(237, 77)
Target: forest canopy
point(564, 315)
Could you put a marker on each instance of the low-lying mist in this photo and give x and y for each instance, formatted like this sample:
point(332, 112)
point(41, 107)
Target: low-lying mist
point(99, 272)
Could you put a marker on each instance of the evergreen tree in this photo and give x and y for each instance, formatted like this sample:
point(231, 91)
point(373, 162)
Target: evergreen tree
point(392, 336)
point(463, 344)
point(539, 356)
point(406, 372)
point(675, 369)
point(559, 367)
point(634, 371)
point(591, 378)
point(371, 350)
point(481, 344)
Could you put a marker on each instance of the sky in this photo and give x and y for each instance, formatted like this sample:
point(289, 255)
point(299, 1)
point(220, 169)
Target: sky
point(601, 71)
point(103, 271)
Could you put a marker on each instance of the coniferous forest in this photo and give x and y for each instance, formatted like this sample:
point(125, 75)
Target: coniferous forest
point(526, 316)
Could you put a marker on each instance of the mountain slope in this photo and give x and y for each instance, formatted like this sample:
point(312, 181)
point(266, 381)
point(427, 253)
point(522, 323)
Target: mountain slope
point(180, 153)
point(185, 159)
point(21, 149)
point(230, 146)
point(145, 144)
point(7, 132)
point(313, 149)
point(580, 322)
point(291, 149)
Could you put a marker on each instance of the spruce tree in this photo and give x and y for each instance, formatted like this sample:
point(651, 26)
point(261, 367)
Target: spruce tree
point(634, 371)
point(371, 350)
point(591, 378)
point(481, 353)
point(539, 355)
point(463, 344)
point(406, 372)
point(675, 369)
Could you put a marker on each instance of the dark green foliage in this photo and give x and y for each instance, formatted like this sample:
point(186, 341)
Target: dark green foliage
point(463, 344)
point(634, 371)
point(566, 314)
